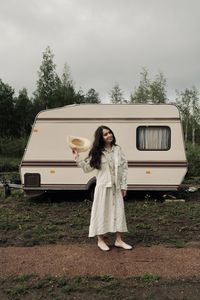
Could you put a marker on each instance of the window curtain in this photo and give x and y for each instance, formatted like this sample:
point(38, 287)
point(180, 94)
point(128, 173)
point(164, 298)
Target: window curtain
point(153, 138)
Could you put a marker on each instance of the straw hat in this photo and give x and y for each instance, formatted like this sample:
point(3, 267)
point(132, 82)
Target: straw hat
point(79, 143)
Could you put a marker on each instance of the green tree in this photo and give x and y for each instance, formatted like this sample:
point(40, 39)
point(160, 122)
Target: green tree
point(66, 76)
point(23, 113)
point(67, 90)
point(183, 101)
point(150, 91)
point(195, 113)
point(92, 96)
point(116, 94)
point(142, 93)
point(188, 103)
point(47, 81)
point(65, 93)
point(158, 89)
point(6, 109)
point(79, 97)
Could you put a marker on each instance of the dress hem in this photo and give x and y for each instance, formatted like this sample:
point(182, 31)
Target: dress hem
point(122, 231)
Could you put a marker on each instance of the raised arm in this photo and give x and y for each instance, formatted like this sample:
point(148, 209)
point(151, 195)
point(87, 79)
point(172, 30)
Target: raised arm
point(82, 163)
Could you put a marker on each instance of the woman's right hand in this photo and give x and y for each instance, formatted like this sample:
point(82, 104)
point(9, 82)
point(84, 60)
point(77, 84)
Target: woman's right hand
point(75, 153)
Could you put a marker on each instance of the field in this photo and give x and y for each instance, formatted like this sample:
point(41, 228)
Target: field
point(63, 219)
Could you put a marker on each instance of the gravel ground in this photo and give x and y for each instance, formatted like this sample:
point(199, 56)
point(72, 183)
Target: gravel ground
point(73, 260)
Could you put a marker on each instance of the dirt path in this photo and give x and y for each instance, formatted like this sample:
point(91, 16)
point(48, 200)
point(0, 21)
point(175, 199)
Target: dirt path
point(72, 260)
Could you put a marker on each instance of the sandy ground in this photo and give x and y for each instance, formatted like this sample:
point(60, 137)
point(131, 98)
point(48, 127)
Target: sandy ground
point(74, 260)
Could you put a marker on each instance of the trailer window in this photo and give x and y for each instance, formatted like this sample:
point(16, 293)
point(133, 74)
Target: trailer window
point(153, 138)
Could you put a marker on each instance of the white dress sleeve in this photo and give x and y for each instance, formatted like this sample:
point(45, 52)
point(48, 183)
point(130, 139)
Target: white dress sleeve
point(84, 164)
point(124, 170)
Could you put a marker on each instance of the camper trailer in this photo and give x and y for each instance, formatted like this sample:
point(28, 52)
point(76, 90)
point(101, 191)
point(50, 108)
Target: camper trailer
point(150, 135)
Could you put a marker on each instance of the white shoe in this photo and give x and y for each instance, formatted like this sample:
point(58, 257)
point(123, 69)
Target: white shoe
point(102, 245)
point(123, 245)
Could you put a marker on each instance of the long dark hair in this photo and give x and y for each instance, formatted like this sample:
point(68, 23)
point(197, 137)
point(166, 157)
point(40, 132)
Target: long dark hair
point(98, 146)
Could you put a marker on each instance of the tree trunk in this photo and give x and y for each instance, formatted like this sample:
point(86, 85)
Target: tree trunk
point(193, 135)
point(186, 130)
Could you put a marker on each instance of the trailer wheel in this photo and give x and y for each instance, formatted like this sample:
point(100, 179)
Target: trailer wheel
point(91, 192)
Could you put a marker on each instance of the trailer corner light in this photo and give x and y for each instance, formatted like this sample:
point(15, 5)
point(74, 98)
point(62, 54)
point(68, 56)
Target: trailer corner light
point(148, 172)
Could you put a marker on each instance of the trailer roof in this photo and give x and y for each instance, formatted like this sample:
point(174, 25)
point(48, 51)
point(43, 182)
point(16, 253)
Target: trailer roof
point(112, 110)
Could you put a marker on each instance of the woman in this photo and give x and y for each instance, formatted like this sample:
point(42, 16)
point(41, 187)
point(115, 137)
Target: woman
point(107, 215)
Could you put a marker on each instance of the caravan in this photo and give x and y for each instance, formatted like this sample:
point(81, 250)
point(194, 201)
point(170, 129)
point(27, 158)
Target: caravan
point(151, 137)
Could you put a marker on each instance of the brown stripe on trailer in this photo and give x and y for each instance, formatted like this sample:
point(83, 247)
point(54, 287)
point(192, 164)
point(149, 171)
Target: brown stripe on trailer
point(58, 187)
point(133, 187)
point(48, 163)
point(131, 164)
point(107, 119)
point(153, 187)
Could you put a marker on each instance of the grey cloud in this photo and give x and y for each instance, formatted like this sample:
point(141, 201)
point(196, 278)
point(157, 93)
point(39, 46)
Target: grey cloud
point(102, 41)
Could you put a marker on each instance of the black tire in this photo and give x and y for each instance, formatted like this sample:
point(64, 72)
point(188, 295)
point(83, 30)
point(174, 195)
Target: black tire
point(91, 192)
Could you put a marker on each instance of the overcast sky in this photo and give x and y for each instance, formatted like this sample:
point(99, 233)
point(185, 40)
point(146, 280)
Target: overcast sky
point(102, 41)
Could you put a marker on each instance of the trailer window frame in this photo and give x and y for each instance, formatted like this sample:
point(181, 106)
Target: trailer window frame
point(153, 126)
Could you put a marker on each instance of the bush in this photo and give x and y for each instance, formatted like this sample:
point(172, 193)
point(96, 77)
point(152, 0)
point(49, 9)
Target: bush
point(12, 147)
point(193, 157)
point(13, 177)
point(8, 164)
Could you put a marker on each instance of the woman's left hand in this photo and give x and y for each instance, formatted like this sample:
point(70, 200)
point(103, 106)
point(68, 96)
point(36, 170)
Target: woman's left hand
point(124, 193)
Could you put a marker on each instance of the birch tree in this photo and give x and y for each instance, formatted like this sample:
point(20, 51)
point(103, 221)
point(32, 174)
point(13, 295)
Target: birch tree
point(116, 94)
point(188, 103)
point(150, 90)
point(195, 113)
point(142, 93)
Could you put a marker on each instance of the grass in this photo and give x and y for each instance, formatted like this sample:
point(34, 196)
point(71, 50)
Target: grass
point(193, 180)
point(27, 283)
point(52, 219)
point(148, 286)
point(61, 285)
point(149, 278)
point(29, 222)
point(178, 243)
point(160, 222)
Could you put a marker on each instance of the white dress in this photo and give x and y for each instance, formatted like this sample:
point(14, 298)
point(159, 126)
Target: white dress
point(108, 213)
